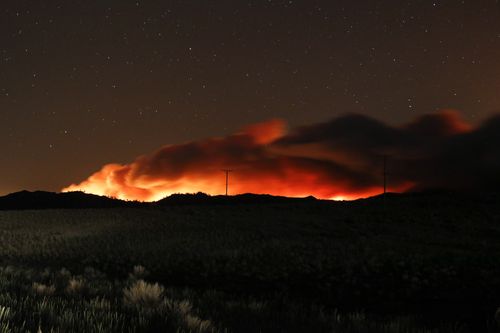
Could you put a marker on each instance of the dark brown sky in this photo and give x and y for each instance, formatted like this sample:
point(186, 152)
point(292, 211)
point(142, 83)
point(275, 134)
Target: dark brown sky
point(85, 83)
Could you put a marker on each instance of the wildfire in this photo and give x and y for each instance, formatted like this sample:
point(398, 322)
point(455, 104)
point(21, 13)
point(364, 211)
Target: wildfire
point(292, 183)
point(339, 160)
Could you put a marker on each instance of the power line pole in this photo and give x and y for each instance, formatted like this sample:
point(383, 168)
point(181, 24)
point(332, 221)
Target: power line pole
point(385, 181)
point(385, 174)
point(227, 171)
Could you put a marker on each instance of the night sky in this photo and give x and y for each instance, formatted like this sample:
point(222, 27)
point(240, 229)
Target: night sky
point(86, 83)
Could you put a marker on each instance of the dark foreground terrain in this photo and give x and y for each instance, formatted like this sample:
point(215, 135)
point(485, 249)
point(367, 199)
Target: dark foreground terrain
point(407, 263)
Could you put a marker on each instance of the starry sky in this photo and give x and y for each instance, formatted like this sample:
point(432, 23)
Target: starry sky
point(84, 83)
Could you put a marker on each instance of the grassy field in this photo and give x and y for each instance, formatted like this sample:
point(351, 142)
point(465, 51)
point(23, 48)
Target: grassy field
point(418, 263)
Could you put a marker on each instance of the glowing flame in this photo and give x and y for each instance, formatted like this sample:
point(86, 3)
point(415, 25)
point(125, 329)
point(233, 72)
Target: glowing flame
point(292, 183)
point(338, 160)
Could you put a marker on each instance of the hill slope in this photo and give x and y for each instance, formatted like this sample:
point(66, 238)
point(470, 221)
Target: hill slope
point(49, 200)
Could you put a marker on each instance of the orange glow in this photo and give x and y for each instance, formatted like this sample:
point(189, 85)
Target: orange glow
point(266, 132)
point(197, 167)
point(266, 160)
point(296, 184)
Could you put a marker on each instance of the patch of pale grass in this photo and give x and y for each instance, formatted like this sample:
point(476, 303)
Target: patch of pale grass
point(196, 324)
point(192, 322)
point(143, 294)
point(43, 289)
point(139, 272)
point(5, 314)
point(75, 286)
point(184, 307)
point(100, 303)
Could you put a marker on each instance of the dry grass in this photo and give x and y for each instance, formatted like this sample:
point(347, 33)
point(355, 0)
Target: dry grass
point(43, 289)
point(75, 286)
point(143, 294)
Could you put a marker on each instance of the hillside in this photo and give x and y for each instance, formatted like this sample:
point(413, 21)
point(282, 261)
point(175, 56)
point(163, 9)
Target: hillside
point(49, 200)
point(25, 200)
point(410, 253)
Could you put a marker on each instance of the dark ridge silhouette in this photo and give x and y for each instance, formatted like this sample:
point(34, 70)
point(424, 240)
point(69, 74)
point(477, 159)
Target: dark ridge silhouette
point(247, 198)
point(48, 200)
point(434, 198)
point(26, 200)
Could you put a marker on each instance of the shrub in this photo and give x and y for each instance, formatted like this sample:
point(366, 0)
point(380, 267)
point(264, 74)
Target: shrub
point(196, 324)
point(75, 286)
point(143, 294)
point(139, 273)
point(43, 289)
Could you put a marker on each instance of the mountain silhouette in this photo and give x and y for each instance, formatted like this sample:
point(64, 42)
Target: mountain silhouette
point(49, 200)
point(73, 200)
point(247, 198)
point(25, 200)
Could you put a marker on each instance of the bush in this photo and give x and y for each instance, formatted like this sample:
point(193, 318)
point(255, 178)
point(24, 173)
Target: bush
point(143, 294)
point(76, 286)
point(196, 324)
point(139, 273)
point(43, 289)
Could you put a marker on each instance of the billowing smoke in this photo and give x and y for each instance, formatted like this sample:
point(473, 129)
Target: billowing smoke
point(342, 158)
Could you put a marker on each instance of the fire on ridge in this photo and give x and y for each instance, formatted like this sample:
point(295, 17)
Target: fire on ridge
point(341, 159)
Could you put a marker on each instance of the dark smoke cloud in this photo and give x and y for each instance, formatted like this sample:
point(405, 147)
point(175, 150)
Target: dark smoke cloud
point(434, 151)
point(342, 158)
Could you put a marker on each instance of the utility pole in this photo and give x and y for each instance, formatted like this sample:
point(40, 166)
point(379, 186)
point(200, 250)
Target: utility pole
point(227, 171)
point(385, 181)
point(385, 174)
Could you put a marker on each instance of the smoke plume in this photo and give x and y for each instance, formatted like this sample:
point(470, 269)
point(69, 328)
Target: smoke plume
point(339, 159)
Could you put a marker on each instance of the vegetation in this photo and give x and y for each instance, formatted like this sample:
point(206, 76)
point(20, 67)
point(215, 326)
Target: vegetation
point(418, 264)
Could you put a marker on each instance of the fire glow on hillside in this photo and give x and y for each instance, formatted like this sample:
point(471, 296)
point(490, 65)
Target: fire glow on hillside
point(340, 159)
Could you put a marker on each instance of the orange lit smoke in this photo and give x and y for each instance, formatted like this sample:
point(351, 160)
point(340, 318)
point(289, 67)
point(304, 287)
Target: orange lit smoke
point(341, 159)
